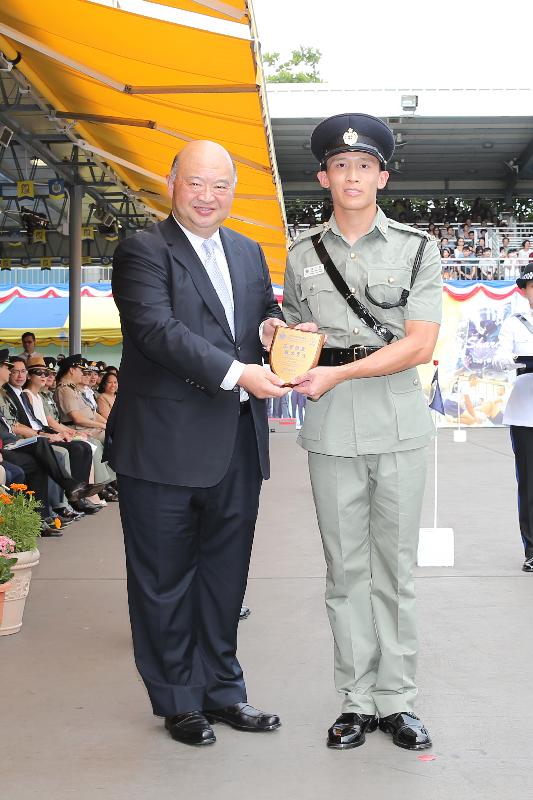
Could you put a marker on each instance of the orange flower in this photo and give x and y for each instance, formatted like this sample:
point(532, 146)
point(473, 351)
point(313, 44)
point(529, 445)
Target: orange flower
point(57, 523)
point(5, 499)
point(29, 492)
point(20, 487)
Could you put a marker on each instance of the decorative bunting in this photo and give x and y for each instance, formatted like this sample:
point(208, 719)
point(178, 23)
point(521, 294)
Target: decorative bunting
point(39, 236)
point(46, 263)
point(5, 263)
point(87, 232)
point(56, 188)
point(25, 190)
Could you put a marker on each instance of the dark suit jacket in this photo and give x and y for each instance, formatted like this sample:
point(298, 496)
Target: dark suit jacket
point(171, 422)
point(16, 403)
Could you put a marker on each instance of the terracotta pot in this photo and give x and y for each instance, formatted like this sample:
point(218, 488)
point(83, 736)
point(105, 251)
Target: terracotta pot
point(4, 587)
point(19, 586)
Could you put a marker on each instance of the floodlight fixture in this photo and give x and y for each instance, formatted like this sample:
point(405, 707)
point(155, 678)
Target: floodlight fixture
point(409, 102)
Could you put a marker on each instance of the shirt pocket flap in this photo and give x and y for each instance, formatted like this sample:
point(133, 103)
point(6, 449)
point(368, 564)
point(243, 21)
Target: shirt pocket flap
point(389, 276)
point(403, 382)
point(309, 287)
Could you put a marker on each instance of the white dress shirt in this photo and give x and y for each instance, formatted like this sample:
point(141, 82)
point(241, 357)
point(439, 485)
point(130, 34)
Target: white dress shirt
point(35, 425)
point(516, 340)
point(237, 368)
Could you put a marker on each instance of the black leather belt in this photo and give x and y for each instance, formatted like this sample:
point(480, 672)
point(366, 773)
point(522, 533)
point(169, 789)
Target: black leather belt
point(245, 408)
point(337, 356)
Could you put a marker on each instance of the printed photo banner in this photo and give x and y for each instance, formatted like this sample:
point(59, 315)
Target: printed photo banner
point(474, 392)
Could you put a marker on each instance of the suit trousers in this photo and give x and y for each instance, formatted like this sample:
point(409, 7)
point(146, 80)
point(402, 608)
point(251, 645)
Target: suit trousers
point(522, 441)
point(80, 457)
point(187, 556)
point(368, 510)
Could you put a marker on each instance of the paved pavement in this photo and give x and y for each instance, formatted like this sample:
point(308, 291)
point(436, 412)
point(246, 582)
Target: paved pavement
point(76, 721)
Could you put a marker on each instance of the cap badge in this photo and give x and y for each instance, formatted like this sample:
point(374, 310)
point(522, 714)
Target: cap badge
point(350, 137)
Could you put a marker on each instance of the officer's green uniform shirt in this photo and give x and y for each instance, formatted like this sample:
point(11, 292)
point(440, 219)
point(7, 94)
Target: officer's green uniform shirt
point(7, 409)
point(365, 415)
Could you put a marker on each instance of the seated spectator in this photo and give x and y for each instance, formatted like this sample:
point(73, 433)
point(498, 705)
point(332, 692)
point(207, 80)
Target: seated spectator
point(28, 343)
point(73, 409)
point(525, 254)
point(36, 458)
point(444, 243)
point(511, 265)
point(76, 412)
point(458, 253)
point(451, 235)
point(89, 377)
point(107, 394)
point(488, 265)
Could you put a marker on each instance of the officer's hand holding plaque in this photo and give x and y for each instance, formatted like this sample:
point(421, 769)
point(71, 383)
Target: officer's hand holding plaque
point(294, 352)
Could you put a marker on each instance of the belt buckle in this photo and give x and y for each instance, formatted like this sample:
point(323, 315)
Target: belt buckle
point(356, 348)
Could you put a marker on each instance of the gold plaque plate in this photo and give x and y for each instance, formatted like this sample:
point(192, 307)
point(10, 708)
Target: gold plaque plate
point(294, 352)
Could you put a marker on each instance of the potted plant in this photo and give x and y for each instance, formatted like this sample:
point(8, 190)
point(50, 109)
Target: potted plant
point(7, 546)
point(20, 522)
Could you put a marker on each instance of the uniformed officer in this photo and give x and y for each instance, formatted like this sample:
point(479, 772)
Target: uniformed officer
point(516, 339)
point(368, 429)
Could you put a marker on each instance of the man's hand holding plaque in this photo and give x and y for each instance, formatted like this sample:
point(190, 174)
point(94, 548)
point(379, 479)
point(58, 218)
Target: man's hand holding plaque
point(294, 351)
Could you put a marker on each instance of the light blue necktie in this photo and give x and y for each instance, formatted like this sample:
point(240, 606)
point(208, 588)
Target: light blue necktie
point(219, 284)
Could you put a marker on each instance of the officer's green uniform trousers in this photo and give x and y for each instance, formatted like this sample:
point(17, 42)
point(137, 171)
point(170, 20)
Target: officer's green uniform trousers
point(367, 448)
point(368, 511)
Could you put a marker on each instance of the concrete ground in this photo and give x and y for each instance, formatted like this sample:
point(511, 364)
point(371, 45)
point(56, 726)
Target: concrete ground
point(76, 721)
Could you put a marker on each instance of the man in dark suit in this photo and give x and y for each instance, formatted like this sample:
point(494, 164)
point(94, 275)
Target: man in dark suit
point(188, 438)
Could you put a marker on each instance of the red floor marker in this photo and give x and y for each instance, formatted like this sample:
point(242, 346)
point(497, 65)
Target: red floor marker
point(427, 757)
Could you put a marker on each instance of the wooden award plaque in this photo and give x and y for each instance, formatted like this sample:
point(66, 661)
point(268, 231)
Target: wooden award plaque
point(294, 352)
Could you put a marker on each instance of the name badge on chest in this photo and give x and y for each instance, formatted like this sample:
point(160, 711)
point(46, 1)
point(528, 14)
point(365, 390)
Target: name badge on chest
point(316, 269)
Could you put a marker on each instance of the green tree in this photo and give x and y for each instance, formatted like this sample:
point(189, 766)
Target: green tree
point(291, 71)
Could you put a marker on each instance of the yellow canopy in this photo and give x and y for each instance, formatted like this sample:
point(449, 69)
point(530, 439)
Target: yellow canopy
point(234, 10)
point(138, 88)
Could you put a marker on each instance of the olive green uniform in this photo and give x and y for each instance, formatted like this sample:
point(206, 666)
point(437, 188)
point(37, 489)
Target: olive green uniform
point(67, 398)
point(367, 441)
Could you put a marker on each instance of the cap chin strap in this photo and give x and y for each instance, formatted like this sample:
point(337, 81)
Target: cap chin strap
point(359, 148)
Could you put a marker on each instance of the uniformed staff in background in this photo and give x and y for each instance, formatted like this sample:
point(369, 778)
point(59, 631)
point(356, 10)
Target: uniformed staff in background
point(516, 339)
point(373, 286)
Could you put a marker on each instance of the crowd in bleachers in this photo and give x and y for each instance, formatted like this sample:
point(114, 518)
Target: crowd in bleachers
point(476, 243)
point(53, 414)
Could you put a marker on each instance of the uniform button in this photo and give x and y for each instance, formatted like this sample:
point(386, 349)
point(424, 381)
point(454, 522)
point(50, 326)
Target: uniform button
point(312, 286)
point(415, 381)
point(352, 255)
point(356, 330)
point(238, 348)
point(352, 289)
point(391, 279)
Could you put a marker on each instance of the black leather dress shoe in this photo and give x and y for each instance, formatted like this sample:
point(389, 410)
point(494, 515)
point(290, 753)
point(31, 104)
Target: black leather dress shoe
point(83, 490)
point(243, 717)
point(65, 515)
point(349, 730)
point(85, 506)
point(109, 495)
point(50, 531)
point(244, 612)
point(407, 731)
point(527, 566)
point(190, 728)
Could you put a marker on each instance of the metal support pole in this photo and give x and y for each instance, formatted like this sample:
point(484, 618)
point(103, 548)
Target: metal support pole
point(74, 299)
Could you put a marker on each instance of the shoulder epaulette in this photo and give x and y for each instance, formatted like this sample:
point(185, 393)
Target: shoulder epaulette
point(306, 234)
point(401, 226)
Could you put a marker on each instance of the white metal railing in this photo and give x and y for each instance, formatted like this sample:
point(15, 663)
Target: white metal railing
point(35, 276)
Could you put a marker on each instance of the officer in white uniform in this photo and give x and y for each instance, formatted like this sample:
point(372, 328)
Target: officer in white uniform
point(516, 339)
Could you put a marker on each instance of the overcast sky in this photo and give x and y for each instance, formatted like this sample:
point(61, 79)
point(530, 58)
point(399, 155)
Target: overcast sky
point(413, 44)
